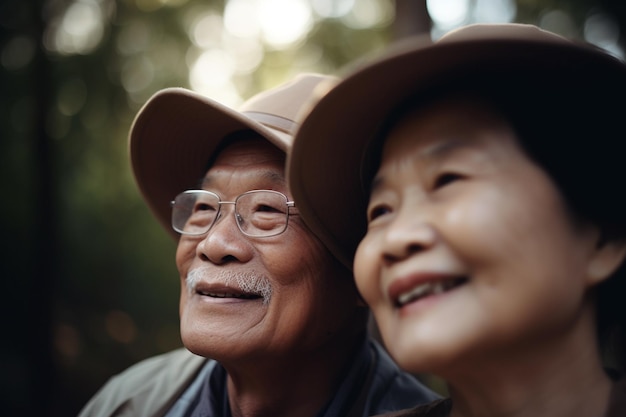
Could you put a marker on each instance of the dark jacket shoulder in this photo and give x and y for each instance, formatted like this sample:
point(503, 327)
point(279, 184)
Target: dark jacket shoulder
point(442, 408)
point(437, 408)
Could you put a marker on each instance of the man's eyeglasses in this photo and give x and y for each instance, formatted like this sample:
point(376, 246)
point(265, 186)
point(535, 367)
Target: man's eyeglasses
point(258, 213)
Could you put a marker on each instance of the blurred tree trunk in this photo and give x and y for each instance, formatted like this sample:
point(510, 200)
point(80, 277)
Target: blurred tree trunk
point(411, 18)
point(43, 234)
point(617, 9)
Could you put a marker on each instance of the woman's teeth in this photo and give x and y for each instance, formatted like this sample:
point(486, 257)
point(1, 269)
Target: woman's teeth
point(426, 289)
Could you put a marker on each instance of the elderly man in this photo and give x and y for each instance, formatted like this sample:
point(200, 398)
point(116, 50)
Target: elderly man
point(278, 316)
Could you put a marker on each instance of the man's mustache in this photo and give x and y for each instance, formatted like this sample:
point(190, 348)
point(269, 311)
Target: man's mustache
point(250, 282)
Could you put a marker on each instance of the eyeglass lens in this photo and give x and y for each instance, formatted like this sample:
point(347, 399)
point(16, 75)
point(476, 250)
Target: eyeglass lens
point(258, 213)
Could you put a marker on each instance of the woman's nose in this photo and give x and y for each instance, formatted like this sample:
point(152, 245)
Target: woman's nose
point(411, 232)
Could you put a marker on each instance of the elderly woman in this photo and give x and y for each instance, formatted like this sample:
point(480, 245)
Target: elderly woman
point(475, 183)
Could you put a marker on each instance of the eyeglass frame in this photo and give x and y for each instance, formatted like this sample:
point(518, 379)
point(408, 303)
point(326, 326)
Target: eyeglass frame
point(288, 203)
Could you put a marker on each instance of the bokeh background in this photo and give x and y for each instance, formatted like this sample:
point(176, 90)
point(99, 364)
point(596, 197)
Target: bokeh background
point(89, 280)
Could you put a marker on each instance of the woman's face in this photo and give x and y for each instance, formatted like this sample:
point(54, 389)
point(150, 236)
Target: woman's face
point(470, 250)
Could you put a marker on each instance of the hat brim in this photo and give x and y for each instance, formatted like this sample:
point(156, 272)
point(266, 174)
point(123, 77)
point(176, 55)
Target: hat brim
point(326, 161)
point(172, 140)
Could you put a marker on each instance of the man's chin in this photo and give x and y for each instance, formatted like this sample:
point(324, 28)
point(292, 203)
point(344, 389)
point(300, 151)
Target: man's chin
point(230, 353)
point(215, 336)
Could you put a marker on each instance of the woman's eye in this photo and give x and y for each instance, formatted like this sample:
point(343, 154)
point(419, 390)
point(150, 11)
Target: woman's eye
point(377, 211)
point(446, 178)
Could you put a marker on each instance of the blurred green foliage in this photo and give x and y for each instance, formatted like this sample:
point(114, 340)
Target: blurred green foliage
point(91, 281)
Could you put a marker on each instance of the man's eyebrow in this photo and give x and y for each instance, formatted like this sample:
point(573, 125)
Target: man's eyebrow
point(273, 176)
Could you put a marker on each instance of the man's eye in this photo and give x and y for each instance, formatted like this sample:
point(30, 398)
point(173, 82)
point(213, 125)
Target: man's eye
point(268, 209)
point(203, 207)
point(446, 178)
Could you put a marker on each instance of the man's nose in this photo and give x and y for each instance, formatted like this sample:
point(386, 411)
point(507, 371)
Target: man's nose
point(224, 242)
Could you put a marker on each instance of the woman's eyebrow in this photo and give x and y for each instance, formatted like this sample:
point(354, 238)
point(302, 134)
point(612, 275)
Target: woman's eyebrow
point(443, 149)
point(377, 183)
point(432, 154)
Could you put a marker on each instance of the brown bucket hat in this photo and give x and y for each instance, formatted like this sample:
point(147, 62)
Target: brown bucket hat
point(176, 132)
point(333, 150)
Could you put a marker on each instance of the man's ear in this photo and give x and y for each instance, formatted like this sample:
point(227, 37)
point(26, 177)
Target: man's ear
point(608, 256)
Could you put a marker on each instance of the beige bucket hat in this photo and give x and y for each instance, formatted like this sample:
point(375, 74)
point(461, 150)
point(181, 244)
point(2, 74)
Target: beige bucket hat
point(176, 132)
point(332, 152)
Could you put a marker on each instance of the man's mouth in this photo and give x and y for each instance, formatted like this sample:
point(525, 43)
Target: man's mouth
point(244, 296)
point(248, 285)
point(428, 289)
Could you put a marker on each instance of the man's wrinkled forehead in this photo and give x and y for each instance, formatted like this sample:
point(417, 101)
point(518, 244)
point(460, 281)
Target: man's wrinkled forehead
point(247, 143)
point(276, 178)
point(251, 158)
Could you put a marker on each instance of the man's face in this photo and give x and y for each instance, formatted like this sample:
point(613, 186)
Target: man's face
point(258, 297)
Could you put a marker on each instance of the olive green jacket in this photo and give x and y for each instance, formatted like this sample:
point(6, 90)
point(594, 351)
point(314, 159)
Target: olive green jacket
point(149, 388)
point(167, 385)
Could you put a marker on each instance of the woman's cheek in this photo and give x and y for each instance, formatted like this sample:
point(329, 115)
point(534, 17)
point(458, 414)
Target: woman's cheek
point(366, 270)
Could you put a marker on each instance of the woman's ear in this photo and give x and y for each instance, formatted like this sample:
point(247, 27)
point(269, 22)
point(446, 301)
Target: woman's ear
point(608, 256)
